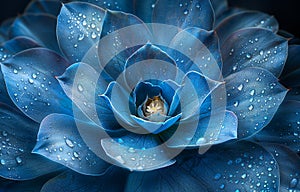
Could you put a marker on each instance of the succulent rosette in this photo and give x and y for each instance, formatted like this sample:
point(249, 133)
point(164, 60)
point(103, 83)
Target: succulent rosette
point(147, 96)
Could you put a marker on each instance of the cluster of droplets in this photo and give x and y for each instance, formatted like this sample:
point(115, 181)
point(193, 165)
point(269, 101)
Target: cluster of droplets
point(187, 8)
point(3, 54)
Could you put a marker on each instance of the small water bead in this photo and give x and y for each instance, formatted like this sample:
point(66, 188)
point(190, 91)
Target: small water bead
point(217, 176)
point(252, 92)
point(244, 176)
point(251, 107)
point(3, 162)
point(293, 183)
point(240, 87)
point(120, 159)
point(15, 71)
point(93, 35)
point(18, 160)
point(80, 88)
point(186, 11)
point(131, 150)
point(248, 56)
point(261, 52)
point(201, 141)
point(76, 155)
point(69, 143)
point(30, 81)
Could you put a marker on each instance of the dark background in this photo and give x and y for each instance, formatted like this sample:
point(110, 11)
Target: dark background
point(287, 12)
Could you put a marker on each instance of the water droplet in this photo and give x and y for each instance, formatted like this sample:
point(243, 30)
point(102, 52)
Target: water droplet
point(18, 160)
point(80, 87)
point(120, 159)
point(252, 92)
point(34, 76)
point(248, 56)
point(217, 176)
point(200, 141)
point(185, 12)
point(94, 35)
point(75, 154)
point(81, 37)
point(15, 71)
point(240, 87)
point(261, 52)
point(131, 150)
point(244, 176)
point(293, 183)
point(4, 133)
point(251, 107)
point(69, 143)
point(30, 81)
point(236, 104)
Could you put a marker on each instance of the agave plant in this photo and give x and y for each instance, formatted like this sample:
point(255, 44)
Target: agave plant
point(147, 96)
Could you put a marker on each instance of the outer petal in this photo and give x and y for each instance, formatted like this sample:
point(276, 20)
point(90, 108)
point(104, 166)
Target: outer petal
point(113, 180)
point(138, 152)
point(60, 139)
point(31, 84)
point(122, 35)
point(284, 128)
point(219, 6)
point(254, 95)
point(254, 47)
point(198, 50)
point(18, 135)
point(289, 166)
point(187, 136)
point(44, 6)
point(38, 27)
point(243, 20)
point(233, 167)
point(149, 63)
point(79, 26)
point(183, 14)
point(144, 10)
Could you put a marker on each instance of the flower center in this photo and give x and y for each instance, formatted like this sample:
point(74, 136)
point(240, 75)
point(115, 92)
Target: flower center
point(154, 106)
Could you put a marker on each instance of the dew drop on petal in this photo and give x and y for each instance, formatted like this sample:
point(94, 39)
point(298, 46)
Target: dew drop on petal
point(293, 183)
point(18, 160)
point(69, 143)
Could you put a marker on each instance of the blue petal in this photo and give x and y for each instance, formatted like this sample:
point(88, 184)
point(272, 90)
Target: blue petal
point(44, 7)
point(196, 87)
point(228, 13)
point(254, 95)
point(219, 6)
point(18, 136)
point(203, 131)
point(79, 26)
point(244, 20)
point(71, 143)
point(168, 93)
point(138, 152)
point(124, 34)
point(113, 180)
point(29, 25)
point(143, 90)
point(116, 5)
point(8, 49)
point(254, 47)
point(290, 74)
point(232, 167)
point(82, 84)
point(31, 84)
point(149, 63)
point(144, 10)
point(156, 127)
point(284, 128)
point(5, 27)
point(289, 166)
point(183, 14)
point(198, 50)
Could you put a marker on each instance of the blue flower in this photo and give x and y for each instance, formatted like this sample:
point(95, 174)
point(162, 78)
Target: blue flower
point(153, 95)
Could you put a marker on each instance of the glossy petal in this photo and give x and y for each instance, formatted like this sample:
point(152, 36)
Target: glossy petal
point(219, 6)
point(18, 136)
point(149, 63)
point(198, 50)
point(244, 20)
point(60, 139)
point(138, 152)
point(122, 35)
point(30, 25)
point(156, 127)
point(44, 7)
point(82, 84)
point(116, 5)
point(191, 97)
point(113, 180)
point(284, 128)
point(289, 166)
point(254, 47)
point(8, 49)
point(183, 14)
point(79, 26)
point(31, 84)
point(241, 168)
point(254, 95)
point(204, 131)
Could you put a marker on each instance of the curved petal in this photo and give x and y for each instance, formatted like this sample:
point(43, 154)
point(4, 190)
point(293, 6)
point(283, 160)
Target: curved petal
point(183, 14)
point(254, 95)
point(44, 6)
point(113, 180)
point(18, 136)
point(198, 50)
point(30, 81)
point(144, 90)
point(156, 127)
point(121, 36)
point(244, 20)
point(79, 26)
point(232, 167)
point(289, 166)
point(116, 5)
point(8, 49)
point(254, 47)
point(187, 136)
point(284, 128)
point(61, 140)
point(138, 152)
point(149, 63)
point(38, 27)
point(219, 6)
point(228, 13)
point(191, 97)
